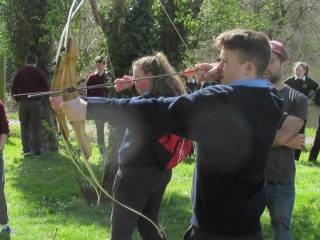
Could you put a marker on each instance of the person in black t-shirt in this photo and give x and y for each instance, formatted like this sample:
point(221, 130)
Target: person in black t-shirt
point(280, 167)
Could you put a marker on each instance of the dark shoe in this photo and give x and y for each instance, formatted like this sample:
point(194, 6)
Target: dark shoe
point(37, 154)
point(5, 233)
point(54, 150)
point(26, 154)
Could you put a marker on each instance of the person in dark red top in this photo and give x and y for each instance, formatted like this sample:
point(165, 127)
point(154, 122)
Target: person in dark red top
point(30, 79)
point(99, 77)
point(4, 131)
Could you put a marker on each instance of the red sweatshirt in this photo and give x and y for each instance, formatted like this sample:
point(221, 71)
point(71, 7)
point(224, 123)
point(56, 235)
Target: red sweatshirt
point(28, 80)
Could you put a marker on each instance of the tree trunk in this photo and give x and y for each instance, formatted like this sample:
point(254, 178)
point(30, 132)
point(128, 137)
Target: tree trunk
point(2, 80)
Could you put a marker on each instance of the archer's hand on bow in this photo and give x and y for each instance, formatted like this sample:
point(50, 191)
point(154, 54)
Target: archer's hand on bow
point(75, 109)
point(207, 72)
point(126, 82)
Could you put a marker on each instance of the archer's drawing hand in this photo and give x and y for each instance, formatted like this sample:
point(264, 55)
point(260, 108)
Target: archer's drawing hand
point(126, 82)
point(207, 72)
point(189, 72)
point(75, 109)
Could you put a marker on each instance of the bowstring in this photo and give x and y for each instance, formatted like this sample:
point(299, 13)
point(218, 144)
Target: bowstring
point(36, 94)
point(173, 25)
point(64, 36)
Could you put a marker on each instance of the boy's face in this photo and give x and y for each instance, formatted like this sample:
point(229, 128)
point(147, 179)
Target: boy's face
point(231, 66)
point(101, 66)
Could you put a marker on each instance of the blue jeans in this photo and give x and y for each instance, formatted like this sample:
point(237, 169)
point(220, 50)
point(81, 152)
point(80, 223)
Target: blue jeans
point(280, 202)
point(3, 202)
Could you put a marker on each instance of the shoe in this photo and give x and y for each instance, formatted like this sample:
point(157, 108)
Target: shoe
point(54, 150)
point(26, 154)
point(37, 154)
point(5, 233)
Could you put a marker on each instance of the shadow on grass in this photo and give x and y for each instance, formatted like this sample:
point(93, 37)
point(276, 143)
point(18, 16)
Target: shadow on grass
point(309, 164)
point(50, 183)
point(49, 186)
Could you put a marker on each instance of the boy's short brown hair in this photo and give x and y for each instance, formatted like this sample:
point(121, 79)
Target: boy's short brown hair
point(252, 45)
point(31, 59)
point(100, 59)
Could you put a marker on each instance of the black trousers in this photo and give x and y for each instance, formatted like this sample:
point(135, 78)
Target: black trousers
point(316, 145)
point(3, 202)
point(30, 123)
point(100, 136)
point(298, 152)
point(194, 233)
point(142, 189)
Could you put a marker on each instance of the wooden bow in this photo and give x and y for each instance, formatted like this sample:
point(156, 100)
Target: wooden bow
point(65, 78)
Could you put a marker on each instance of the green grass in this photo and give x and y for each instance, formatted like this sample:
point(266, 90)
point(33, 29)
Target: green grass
point(12, 115)
point(45, 201)
point(310, 132)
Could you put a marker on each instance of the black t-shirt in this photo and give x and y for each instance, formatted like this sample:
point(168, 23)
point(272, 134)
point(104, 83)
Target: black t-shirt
point(280, 164)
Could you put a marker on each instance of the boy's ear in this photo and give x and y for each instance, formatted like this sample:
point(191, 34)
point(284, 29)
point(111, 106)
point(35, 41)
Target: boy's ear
point(251, 68)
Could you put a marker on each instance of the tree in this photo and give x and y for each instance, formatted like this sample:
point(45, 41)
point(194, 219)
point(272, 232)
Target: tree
point(26, 33)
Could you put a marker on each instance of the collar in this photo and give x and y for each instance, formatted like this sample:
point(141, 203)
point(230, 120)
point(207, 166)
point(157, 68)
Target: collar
point(260, 83)
point(303, 79)
point(99, 74)
point(31, 65)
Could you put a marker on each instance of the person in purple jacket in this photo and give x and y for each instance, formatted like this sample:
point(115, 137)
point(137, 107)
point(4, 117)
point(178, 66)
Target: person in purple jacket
point(4, 131)
point(30, 79)
point(233, 124)
point(99, 77)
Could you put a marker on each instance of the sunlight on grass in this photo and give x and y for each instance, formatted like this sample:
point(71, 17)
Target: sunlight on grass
point(45, 201)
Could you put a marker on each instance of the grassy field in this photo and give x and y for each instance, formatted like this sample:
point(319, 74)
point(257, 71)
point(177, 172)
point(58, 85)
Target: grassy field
point(45, 201)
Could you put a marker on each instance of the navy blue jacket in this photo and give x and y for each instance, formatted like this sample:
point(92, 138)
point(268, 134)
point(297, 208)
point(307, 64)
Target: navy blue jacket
point(234, 127)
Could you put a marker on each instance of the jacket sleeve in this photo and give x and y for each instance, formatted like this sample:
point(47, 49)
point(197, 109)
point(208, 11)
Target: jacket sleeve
point(179, 115)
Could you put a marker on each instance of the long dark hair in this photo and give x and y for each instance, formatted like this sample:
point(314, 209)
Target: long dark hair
point(158, 64)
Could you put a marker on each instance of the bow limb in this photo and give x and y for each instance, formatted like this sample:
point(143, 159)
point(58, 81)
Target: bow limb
point(56, 85)
point(60, 116)
point(69, 81)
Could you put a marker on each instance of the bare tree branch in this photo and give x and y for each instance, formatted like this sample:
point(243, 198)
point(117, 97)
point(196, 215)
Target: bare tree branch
point(100, 21)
